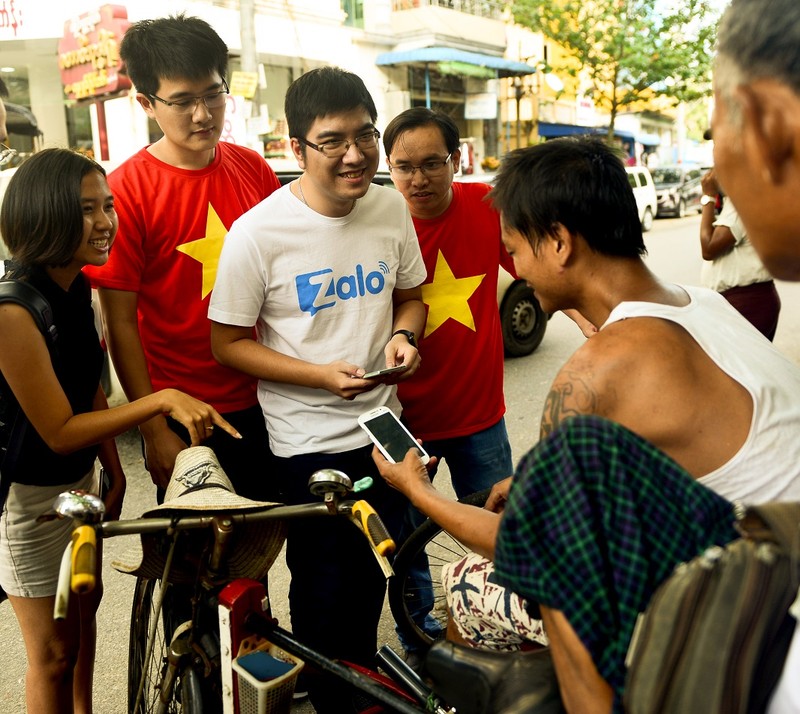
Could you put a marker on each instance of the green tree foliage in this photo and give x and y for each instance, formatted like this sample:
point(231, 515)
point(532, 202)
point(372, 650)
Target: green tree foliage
point(630, 50)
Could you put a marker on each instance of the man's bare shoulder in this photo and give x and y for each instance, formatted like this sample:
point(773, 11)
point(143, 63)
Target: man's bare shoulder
point(619, 364)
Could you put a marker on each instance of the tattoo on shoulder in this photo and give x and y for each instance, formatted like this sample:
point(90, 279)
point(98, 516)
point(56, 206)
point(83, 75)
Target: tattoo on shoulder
point(570, 396)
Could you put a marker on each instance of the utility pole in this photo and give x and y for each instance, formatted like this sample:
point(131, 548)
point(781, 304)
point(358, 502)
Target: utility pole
point(247, 24)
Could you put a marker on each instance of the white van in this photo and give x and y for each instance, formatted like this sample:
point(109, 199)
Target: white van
point(644, 190)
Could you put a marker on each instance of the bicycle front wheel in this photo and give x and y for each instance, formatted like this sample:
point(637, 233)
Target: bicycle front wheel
point(412, 597)
point(179, 694)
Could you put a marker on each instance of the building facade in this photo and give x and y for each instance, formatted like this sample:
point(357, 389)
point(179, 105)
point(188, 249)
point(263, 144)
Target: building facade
point(448, 54)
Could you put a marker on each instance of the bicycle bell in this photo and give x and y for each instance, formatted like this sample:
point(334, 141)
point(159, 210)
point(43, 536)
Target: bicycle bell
point(80, 505)
point(327, 481)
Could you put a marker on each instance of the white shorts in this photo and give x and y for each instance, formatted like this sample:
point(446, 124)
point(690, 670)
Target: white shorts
point(485, 613)
point(30, 552)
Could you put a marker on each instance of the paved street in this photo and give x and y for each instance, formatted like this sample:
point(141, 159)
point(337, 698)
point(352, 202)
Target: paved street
point(674, 254)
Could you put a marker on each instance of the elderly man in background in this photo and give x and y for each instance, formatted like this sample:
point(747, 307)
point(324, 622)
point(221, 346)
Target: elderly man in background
point(757, 158)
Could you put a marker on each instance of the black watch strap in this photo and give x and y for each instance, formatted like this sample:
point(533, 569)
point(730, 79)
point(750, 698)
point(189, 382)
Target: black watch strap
point(412, 340)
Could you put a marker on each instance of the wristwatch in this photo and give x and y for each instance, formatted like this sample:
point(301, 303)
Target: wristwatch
point(412, 340)
point(706, 199)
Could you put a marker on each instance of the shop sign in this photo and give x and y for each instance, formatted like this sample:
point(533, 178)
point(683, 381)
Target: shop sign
point(10, 20)
point(584, 111)
point(481, 106)
point(243, 84)
point(88, 53)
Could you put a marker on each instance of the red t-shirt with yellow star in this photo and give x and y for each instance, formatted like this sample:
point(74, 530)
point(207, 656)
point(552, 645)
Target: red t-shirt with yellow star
point(458, 389)
point(172, 223)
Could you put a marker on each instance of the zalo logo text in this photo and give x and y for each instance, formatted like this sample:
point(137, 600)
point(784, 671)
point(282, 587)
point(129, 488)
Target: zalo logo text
point(321, 289)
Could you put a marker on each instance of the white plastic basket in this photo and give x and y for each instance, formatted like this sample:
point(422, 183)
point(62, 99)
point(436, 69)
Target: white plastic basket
point(273, 696)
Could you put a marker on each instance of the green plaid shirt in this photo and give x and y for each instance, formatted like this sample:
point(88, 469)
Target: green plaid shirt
point(597, 518)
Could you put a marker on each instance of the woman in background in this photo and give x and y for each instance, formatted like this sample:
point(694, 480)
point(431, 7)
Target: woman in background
point(732, 266)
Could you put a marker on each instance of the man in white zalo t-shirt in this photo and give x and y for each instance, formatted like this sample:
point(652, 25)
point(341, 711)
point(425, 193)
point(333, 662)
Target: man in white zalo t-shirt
point(328, 269)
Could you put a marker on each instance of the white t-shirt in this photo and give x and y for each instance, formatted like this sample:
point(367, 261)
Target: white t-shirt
point(767, 467)
point(319, 289)
point(738, 267)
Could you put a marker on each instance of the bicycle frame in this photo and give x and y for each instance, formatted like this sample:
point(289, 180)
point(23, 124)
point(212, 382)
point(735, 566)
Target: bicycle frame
point(242, 602)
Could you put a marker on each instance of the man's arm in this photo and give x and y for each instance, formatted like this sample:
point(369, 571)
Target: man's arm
point(409, 314)
point(234, 347)
point(475, 527)
point(571, 393)
point(121, 328)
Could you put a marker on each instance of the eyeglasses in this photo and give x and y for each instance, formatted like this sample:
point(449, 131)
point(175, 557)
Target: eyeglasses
point(6, 154)
point(337, 149)
point(431, 169)
point(189, 104)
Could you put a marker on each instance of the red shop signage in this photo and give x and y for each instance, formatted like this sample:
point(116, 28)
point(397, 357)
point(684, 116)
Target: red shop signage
point(88, 53)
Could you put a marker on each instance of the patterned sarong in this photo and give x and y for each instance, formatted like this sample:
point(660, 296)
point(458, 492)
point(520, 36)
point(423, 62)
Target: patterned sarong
point(596, 519)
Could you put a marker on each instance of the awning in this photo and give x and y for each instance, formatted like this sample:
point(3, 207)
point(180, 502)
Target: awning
point(451, 58)
point(553, 130)
point(648, 139)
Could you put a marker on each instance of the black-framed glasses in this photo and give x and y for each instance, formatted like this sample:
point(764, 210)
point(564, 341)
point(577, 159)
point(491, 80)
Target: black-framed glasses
point(189, 104)
point(6, 154)
point(429, 168)
point(339, 147)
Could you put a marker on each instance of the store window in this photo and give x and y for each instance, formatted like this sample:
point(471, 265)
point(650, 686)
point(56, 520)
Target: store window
point(79, 128)
point(23, 129)
point(355, 12)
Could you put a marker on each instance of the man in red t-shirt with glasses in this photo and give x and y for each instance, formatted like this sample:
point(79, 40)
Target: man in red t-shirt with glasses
point(176, 200)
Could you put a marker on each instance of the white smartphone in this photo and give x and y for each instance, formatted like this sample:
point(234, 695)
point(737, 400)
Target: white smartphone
point(386, 370)
point(389, 435)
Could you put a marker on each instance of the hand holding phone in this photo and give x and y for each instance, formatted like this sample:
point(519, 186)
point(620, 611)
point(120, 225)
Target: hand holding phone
point(389, 435)
point(383, 372)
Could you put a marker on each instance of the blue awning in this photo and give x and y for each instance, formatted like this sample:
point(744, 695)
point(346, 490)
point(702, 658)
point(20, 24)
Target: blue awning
point(648, 139)
point(429, 55)
point(552, 130)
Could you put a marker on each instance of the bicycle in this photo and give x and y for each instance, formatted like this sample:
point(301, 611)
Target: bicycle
point(189, 666)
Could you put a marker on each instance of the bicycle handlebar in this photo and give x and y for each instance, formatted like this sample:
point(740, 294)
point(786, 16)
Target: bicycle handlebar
point(373, 527)
point(78, 570)
point(84, 560)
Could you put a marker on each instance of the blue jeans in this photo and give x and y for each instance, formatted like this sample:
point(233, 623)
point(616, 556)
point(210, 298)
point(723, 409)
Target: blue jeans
point(476, 462)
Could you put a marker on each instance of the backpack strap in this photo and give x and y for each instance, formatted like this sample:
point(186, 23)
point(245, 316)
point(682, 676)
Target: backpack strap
point(30, 298)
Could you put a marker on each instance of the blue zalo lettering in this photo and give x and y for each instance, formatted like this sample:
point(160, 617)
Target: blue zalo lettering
point(316, 291)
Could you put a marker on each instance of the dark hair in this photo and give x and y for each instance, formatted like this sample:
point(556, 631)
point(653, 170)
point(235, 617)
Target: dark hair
point(3, 88)
point(41, 218)
point(418, 117)
point(580, 183)
point(177, 47)
point(323, 91)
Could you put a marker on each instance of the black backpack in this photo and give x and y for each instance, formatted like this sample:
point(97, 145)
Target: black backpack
point(13, 422)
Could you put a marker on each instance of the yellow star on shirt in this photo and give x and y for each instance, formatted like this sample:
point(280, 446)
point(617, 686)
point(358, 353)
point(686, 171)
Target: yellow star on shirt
point(206, 250)
point(446, 297)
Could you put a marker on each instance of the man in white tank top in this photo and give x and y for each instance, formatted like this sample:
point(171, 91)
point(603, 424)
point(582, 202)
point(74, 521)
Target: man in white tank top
point(676, 365)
